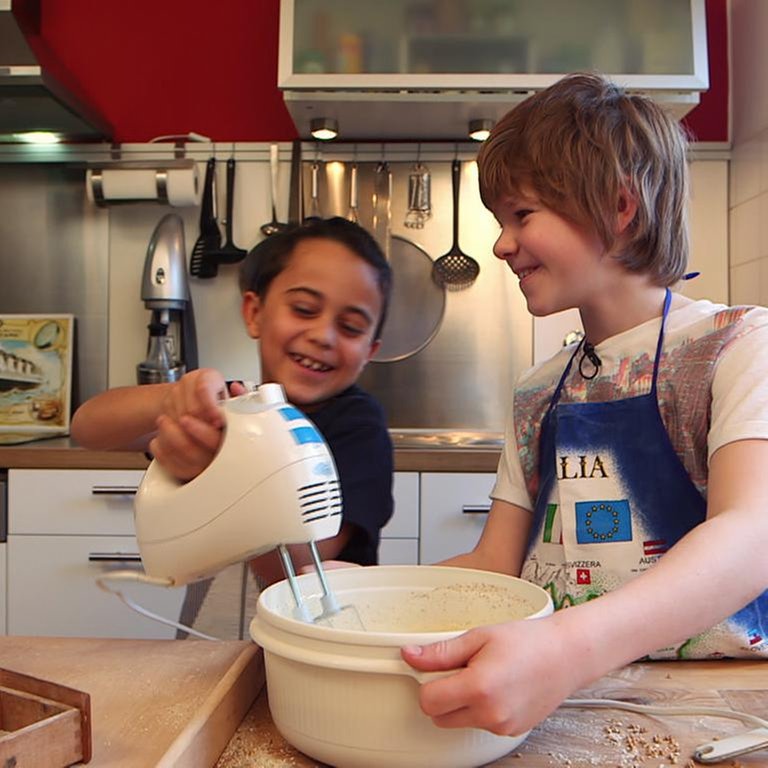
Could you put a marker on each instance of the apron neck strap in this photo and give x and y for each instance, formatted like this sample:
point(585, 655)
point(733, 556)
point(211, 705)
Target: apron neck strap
point(659, 344)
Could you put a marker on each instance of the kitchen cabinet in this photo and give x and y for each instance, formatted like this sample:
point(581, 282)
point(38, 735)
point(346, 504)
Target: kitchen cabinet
point(65, 528)
point(454, 508)
point(400, 536)
point(242, 40)
point(653, 44)
point(410, 68)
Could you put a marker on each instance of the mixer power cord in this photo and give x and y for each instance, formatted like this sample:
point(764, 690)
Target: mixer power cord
point(142, 578)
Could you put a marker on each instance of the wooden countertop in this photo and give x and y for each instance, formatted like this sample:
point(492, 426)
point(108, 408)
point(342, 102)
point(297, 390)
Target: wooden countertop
point(160, 703)
point(181, 702)
point(588, 738)
point(64, 453)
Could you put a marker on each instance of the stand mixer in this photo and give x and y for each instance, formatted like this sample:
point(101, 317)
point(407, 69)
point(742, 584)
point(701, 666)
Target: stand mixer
point(272, 483)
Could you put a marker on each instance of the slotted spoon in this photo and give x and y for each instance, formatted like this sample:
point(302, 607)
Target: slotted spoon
point(455, 270)
point(209, 239)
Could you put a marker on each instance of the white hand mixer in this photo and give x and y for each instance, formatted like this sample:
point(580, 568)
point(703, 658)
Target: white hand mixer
point(272, 483)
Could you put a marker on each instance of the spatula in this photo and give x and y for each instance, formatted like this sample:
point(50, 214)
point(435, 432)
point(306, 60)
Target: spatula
point(273, 227)
point(229, 253)
point(210, 237)
point(296, 199)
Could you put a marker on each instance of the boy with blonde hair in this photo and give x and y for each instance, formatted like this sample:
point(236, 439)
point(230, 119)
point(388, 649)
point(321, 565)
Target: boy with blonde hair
point(630, 486)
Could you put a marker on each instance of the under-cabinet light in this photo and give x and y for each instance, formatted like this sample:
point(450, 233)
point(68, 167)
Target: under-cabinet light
point(324, 128)
point(37, 137)
point(480, 129)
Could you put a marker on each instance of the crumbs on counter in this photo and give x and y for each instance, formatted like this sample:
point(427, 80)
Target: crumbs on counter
point(258, 744)
point(636, 747)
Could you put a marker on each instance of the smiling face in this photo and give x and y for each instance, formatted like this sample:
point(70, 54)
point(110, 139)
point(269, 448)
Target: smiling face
point(560, 264)
point(317, 321)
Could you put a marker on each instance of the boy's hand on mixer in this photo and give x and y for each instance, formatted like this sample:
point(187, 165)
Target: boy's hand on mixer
point(197, 394)
point(185, 447)
point(189, 427)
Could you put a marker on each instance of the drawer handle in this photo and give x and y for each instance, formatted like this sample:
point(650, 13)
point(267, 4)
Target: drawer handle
point(114, 557)
point(114, 490)
point(475, 509)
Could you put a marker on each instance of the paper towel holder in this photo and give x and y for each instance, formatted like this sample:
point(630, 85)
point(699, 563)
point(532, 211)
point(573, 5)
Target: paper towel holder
point(95, 180)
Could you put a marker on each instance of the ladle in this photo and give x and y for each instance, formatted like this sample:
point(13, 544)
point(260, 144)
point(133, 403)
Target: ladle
point(273, 227)
point(455, 270)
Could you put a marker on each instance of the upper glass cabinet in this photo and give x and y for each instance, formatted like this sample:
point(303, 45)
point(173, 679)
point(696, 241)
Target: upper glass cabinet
point(490, 44)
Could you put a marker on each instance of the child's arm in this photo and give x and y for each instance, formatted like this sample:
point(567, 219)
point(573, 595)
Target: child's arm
point(502, 544)
point(179, 422)
point(120, 419)
point(517, 673)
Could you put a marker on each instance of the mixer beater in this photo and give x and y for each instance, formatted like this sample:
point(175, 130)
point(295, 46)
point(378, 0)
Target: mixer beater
point(332, 612)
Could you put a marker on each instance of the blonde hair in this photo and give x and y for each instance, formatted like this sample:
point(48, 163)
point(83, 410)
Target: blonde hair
point(582, 143)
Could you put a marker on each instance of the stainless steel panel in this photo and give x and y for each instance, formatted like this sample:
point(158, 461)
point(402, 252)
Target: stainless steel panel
point(54, 256)
point(59, 254)
point(463, 378)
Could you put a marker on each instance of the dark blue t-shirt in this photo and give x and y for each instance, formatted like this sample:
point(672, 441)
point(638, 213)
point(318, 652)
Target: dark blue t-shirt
point(355, 428)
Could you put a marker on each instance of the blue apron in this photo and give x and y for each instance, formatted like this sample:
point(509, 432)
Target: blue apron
point(613, 497)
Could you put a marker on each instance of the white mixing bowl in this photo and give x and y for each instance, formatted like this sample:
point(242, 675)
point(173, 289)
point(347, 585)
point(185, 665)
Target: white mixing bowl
point(345, 697)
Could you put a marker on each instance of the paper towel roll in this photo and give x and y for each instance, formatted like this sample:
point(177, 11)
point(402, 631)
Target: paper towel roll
point(174, 186)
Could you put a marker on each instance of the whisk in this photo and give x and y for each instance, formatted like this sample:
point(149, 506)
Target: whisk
point(419, 197)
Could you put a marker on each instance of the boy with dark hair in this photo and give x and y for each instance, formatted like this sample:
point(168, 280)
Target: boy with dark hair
point(315, 297)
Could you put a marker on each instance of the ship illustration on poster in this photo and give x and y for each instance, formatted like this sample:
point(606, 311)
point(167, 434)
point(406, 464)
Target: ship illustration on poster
point(35, 376)
point(18, 372)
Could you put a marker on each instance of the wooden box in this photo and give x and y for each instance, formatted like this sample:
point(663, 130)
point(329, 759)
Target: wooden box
point(42, 724)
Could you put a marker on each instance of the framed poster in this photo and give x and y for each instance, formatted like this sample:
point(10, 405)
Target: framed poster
point(35, 376)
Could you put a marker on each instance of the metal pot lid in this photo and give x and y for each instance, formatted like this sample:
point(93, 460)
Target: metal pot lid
point(417, 304)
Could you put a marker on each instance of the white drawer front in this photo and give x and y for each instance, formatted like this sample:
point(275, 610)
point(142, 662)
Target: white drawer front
point(404, 522)
point(399, 552)
point(52, 589)
point(454, 509)
point(72, 501)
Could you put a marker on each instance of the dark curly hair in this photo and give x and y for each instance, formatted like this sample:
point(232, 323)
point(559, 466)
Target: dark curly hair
point(268, 259)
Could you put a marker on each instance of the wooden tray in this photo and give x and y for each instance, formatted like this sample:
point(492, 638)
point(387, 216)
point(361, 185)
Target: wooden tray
point(42, 724)
point(159, 703)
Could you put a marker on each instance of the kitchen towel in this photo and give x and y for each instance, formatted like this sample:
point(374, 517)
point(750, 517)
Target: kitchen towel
point(177, 187)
